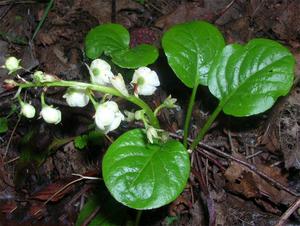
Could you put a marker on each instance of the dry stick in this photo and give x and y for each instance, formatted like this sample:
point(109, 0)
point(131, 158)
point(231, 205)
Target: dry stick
point(288, 213)
point(11, 136)
point(250, 167)
point(90, 217)
point(81, 177)
point(246, 164)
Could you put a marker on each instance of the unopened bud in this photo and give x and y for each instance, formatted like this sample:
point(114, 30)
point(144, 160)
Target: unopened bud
point(9, 84)
point(119, 84)
point(12, 64)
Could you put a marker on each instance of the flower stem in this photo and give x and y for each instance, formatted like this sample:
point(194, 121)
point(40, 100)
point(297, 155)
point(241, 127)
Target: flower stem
point(98, 88)
point(43, 99)
point(138, 217)
point(189, 114)
point(206, 126)
point(156, 111)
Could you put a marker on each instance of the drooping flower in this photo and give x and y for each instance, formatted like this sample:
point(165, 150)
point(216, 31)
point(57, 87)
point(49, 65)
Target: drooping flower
point(76, 97)
point(118, 83)
point(100, 72)
point(108, 116)
point(12, 64)
point(50, 114)
point(27, 110)
point(145, 81)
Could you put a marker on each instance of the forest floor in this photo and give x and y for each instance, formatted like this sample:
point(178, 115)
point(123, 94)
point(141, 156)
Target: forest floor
point(246, 172)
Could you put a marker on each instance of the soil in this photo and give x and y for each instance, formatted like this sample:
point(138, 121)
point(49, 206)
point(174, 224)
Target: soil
point(245, 173)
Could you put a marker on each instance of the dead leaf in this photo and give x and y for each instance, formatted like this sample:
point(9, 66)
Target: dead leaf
point(49, 190)
point(185, 12)
point(243, 181)
point(8, 207)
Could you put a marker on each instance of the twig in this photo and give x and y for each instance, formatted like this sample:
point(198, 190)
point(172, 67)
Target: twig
point(81, 177)
point(2, 3)
point(91, 216)
point(246, 164)
point(11, 136)
point(288, 213)
point(6, 10)
point(250, 167)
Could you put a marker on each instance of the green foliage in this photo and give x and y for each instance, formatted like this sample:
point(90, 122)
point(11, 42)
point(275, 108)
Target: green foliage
point(191, 49)
point(113, 40)
point(3, 124)
point(248, 79)
point(80, 142)
point(93, 137)
point(110, 212)
point(143, 175)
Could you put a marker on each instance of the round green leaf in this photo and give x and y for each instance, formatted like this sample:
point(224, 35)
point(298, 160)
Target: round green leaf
point(248, 79)
point(191, 49)
point(106, 38)
point(139, 56)
point(143, 175)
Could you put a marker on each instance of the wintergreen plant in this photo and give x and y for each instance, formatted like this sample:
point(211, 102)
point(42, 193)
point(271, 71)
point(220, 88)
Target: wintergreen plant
point(145, 168)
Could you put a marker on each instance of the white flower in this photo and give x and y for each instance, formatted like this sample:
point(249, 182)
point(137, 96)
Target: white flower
point(12, 64)
point(76, 97)
point(51, 115)
point(118, 83)
point(100, 72)
point(145, 81)
point(27, 110)
point(108, 116)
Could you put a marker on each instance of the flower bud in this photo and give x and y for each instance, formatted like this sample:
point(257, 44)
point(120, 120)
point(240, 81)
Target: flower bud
point(12, 64)
point(40, 77)
point(51, 115)
point(169, 102)
point(108, 116)
point(76, 97)
point(100, 72)
point(27, 110)
point(145, 81)
point(139, 115)
point(130, 116)
point(119, 84)
point(9, 84)
point(151, 133)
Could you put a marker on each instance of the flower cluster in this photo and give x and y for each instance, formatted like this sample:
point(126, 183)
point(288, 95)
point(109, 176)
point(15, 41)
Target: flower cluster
point(108, 117)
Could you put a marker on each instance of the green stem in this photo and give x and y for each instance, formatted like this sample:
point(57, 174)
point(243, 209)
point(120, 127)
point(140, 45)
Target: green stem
point(206, 126)
point(138, 217)
point(98, 88)
point(43, 99)
point(158, 109)
point(90, 94)
point(189, 115)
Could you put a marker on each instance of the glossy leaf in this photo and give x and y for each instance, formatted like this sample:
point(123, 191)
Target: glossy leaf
point(141, 55)
point(108, 211)
point(248, 79)
point(113, 40)
point(106, 38)
point(143, 175)
point(191, 49)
